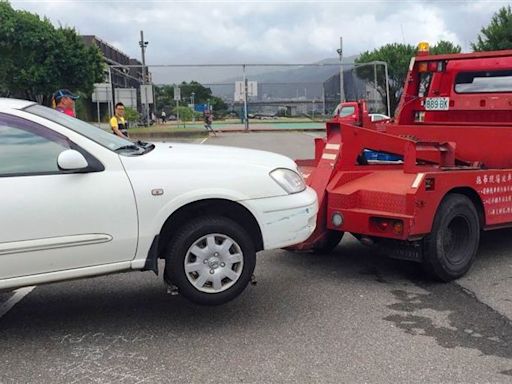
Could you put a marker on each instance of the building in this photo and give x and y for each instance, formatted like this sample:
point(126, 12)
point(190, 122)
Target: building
point(125, 80)
point(127, 77)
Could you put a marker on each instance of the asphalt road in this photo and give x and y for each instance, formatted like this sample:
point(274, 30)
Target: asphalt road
point(351, 316)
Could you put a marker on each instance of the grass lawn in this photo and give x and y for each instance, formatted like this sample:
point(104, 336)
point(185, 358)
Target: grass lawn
point(233, 124)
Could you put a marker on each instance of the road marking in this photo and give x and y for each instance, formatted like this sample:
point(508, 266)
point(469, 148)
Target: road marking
point(203, 140)
point(18, 295)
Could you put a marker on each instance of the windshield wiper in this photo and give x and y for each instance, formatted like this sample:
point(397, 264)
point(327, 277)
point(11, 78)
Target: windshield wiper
point(139, 145)
point(127, 147)
point(148, 147)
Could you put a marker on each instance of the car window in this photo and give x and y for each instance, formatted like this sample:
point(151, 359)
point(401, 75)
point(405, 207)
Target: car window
point(27, 148)
point(347, 111)
point(484, 82)
point(92, 132)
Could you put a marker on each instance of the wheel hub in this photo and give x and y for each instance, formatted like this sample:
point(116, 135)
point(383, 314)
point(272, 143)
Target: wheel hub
point(214, 262)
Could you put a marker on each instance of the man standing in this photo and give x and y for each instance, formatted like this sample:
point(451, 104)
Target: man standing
point(117, 123)
point(208, 120)
point(64, 102)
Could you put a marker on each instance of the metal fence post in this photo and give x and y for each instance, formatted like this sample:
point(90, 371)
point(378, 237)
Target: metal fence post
point(246, 115)
point(387, 86)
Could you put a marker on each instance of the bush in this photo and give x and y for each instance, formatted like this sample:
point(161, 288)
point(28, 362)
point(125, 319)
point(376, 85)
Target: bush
point(184, 113)
point(131, 114)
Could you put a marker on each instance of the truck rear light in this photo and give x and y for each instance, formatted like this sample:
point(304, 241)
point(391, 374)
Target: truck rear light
point(432, 66)
point(381, 224)
point(435, 66)
point(422, 67)
point(398, 227)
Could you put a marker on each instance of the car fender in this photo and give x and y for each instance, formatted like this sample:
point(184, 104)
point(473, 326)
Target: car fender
point(152, 224)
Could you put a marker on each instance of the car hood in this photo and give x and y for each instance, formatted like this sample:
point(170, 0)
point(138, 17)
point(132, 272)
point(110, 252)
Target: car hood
point(187, 167)
point(210, 155)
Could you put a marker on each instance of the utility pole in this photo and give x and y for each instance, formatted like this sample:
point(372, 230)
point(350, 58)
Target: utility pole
point(340, 52)
point(143, 44)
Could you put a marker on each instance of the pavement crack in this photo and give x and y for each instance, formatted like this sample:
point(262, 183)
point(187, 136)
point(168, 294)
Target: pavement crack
point(454, 317)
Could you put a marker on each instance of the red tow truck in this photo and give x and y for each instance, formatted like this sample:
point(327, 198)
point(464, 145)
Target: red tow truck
point(453, 132)
point(351, 112)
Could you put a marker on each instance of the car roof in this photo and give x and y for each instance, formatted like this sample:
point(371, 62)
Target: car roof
point(6, 103)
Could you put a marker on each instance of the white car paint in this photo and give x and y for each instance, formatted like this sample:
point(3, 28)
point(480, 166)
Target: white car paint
point(65, 226)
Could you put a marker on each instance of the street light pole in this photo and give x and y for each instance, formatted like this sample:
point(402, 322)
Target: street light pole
point(340, 52)
point(143, 44)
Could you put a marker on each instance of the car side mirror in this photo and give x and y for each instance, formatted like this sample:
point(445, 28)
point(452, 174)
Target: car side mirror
point(71, 160)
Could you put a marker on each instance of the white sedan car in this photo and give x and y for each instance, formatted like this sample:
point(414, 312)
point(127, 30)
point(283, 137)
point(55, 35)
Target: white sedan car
point(77, 201)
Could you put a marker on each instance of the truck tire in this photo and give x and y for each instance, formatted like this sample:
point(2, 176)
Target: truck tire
point(450, 249)
point(210, 260)
point(331, 241)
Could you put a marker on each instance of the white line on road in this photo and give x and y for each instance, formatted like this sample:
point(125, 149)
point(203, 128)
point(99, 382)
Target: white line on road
point(18, 295)
point(203, 140)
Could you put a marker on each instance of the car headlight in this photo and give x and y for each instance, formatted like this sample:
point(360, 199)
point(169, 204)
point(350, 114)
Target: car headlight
point(289, 180)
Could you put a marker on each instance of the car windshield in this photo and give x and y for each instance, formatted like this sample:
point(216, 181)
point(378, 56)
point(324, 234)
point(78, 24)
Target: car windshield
point(347, 111)
point(106, 139)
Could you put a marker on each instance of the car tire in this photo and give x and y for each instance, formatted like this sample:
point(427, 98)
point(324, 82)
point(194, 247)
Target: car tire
point(211, 260)
point(451, 247)
point(329, 242)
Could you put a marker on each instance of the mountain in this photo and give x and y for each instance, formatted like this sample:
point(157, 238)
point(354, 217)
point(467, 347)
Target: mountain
point(286, 81)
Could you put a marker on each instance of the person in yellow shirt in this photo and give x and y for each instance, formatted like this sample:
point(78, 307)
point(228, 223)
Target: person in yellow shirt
point(117, 122)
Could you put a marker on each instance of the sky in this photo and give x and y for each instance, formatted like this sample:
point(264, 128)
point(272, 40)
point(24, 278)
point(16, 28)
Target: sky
point(207, 32)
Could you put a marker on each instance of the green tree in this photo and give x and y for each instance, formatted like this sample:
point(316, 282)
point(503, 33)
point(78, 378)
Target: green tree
point(219, 106)
point(185, 113)
point(164, 97)
point(498, 34)
point(397, 56)
point(202, 95)
point(37, 58)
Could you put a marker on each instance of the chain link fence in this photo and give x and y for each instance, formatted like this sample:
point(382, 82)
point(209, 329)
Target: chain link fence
point(242, 96)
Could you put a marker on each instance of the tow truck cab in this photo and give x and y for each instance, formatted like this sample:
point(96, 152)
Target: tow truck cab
point(348, 112)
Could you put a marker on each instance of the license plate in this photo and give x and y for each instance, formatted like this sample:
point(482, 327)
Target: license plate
point(437, 103)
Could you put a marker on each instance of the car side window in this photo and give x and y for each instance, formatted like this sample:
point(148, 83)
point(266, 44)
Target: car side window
point(27, 148)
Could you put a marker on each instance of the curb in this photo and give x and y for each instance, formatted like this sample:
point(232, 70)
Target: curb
point(200, 133)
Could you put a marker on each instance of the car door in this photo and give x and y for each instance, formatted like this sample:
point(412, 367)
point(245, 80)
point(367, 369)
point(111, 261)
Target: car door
point(53, 220)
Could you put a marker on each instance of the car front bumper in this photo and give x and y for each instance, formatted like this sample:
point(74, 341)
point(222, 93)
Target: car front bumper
point(286, 220)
